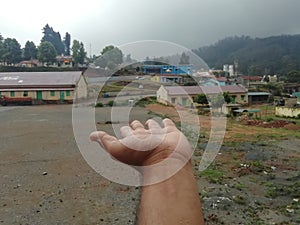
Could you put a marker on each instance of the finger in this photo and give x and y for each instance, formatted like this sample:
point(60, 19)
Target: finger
point(110, 143)
point(152, 124)
point(168, 123)
point(126, 131)
point(95, 136)
point(136, 125)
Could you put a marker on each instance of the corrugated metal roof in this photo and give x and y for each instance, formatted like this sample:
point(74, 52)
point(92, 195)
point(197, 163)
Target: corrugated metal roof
point(23, 79)
point(193, 90)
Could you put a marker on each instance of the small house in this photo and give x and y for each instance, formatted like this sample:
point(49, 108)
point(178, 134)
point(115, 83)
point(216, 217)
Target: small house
point(184, 95)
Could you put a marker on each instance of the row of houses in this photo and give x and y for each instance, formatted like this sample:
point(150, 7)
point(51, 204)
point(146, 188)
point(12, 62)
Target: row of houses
point(44, 87)
point(185, 95)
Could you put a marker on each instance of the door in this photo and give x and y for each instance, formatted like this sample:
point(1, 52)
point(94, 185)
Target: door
point(39, 95)
point(62, 95)
point(184, 101)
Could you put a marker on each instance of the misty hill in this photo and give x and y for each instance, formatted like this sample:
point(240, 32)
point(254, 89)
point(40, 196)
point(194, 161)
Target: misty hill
point(272, 55)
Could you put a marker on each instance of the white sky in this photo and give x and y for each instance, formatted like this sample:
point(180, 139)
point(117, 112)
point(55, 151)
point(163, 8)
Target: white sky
point(191, 23)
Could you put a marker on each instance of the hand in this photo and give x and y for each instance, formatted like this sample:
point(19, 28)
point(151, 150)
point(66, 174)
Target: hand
point(142, 146)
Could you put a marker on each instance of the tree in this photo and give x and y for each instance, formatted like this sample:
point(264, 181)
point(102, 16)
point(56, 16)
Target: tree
point(11, 51)
point(54, 38)
point(78, 52)
point(1, 48)
point(293, 77)
point(107, 49)
point(46, 52)
point(217, 100)
point(201, 99)
point(30, 51)
point(110, 57)
point(67, 44)
point(128, 59)
point(226, 97)
point(184, 59)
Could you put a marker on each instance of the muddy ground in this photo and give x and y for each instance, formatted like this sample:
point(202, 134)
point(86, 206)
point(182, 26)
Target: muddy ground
point(45, 180)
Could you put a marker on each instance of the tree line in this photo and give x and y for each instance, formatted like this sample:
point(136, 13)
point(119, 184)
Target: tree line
point(51, 46)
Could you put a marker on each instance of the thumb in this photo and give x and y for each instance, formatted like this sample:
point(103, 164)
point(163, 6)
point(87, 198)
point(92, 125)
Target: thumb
point(110, 143)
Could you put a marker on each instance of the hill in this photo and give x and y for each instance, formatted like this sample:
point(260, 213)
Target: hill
point(271, 55)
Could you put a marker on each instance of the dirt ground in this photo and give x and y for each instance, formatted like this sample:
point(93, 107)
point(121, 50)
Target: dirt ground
point(45, 180)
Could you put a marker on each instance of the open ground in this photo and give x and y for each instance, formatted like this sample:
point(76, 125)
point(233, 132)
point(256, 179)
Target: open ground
point(45, 180)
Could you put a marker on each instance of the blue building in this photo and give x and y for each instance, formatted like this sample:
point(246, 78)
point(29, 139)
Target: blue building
point(168, 69)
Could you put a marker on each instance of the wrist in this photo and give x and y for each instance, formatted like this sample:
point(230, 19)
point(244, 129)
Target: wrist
point(165, 170)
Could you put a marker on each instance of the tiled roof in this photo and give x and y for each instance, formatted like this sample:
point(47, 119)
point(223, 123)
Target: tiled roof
point(194, 90)
point(23, 79)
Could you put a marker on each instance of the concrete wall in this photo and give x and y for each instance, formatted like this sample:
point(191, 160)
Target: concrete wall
point(287, 112)
point(81, 90)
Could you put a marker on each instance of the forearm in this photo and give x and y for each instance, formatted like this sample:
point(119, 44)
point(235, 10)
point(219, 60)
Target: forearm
point(173, 201)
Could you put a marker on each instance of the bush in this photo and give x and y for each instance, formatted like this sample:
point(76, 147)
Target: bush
point(99, 104)
point(110, 103)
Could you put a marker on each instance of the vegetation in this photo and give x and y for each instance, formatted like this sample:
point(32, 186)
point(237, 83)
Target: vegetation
point(10, 50)
point(46, 52)
point(51, 45)
point(54, 38)
point(78, 53)
point(110, 58)
point(272, 55)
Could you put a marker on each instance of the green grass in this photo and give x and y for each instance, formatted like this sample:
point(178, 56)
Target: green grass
point(213, 175)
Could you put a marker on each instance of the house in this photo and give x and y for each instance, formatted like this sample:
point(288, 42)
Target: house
point(63, 61)
point(30, 63)
point(44, 87)
point(258, 97)
point(252, 82)
point(184, 95)
point(167, 79)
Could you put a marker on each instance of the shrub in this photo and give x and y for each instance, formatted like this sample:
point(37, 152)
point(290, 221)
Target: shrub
point(99, 104)
point(110, 103)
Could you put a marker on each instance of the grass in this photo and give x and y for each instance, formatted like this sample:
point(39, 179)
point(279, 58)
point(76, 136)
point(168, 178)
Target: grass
point(276, 190)
point(213, 175)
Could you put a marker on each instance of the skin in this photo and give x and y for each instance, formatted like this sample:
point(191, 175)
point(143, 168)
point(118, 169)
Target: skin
point(170, 193)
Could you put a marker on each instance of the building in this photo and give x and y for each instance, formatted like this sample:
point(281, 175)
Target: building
point(167, 79)
point(168, 69)
point(258, 97)
point(44, 87)
point(30, 63)
point(63, 61)
point(184, 95)
point(253, 82)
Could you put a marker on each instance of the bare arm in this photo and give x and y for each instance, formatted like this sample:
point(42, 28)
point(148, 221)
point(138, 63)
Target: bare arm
point(173, 200)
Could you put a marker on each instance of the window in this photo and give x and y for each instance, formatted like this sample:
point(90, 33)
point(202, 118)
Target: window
point(173, 100)
point(68, 93)
point(52, 93)
point(243, 97)
point(12, 94)
point(25, 94)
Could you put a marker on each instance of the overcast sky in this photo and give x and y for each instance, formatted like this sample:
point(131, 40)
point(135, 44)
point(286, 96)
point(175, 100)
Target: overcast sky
point(190, 23)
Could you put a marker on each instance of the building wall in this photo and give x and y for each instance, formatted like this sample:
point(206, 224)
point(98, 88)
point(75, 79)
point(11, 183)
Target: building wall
point(287, 112)
point(241, 98)
point(162, 95)
point(46, 95)
point(81, 90)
